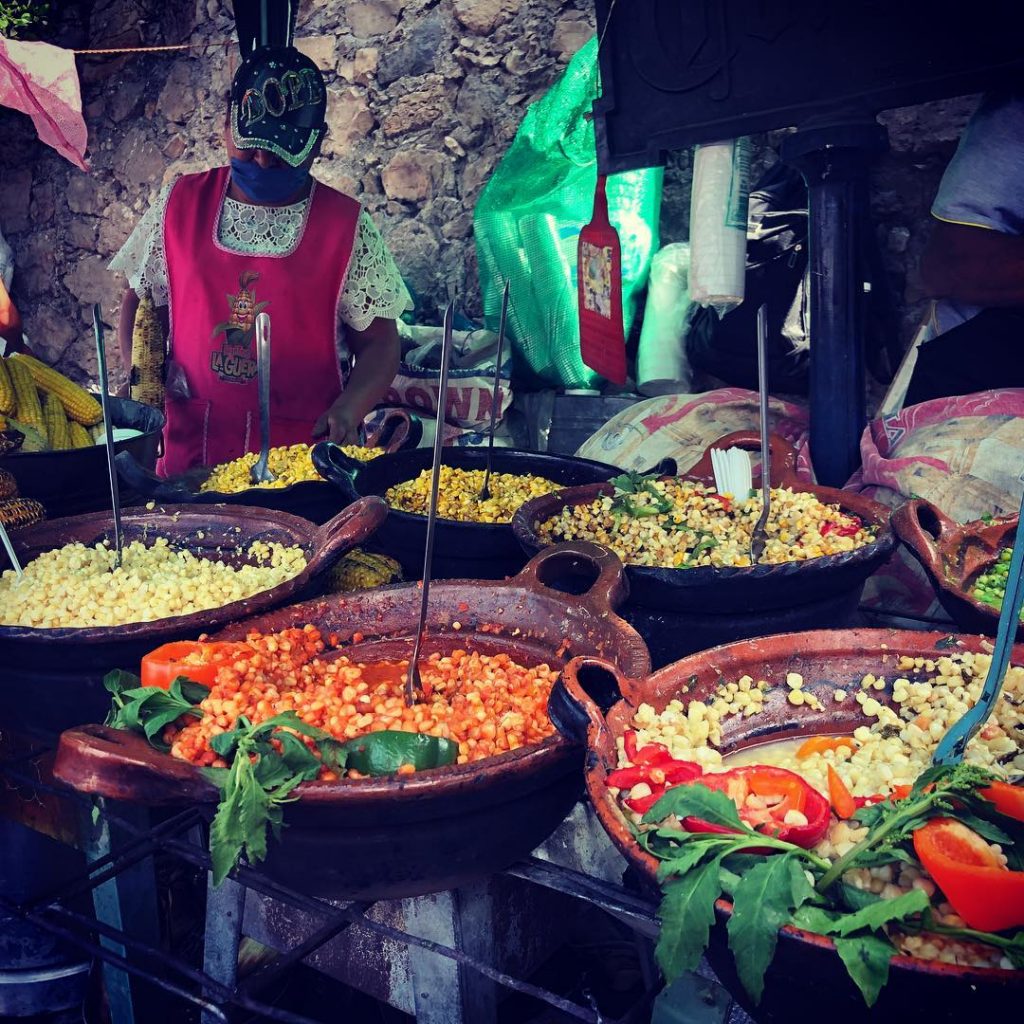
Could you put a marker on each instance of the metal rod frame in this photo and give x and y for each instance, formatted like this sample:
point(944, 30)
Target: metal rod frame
point(176, 976)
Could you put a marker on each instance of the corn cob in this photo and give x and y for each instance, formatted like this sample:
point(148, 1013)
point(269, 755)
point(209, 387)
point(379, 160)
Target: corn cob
point(7, 403)
point(57, 434)
point(148, 353)
point(79, 436)
point(17, 513)
point(361, 570)
point(8, 485)
point(78, 403)
point(30, 412)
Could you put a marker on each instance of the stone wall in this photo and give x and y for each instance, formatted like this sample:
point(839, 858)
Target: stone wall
point(424, 97)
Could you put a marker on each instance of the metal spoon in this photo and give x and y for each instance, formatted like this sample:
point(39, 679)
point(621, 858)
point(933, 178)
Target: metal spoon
point(412, 679)
point(485, 491)
point(260, 474)
point(952, 746)
point(108, 433)
point(759, 537)
point(9, 548)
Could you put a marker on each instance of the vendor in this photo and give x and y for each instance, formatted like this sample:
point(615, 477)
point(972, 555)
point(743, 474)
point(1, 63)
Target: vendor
point(973, 264)
point(219, 247)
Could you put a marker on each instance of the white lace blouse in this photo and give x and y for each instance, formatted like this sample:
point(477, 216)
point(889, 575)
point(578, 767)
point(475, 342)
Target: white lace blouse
point(373, 287)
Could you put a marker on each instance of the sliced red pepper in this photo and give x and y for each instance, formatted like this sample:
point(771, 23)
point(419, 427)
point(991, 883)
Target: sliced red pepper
point(682, 771)
point(195, 659)
point(629, 745)
point(987, 895)
point(642, 804)
point(792, 793)
point(726, 503)
point(1009, 800)
point(627, 778)
point(652, 753)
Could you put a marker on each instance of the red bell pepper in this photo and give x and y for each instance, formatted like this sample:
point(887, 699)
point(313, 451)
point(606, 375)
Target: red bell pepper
point(194, 659)
point(987, 895)
point(780, 791)
point(1009, 800)
point(653, 765)
point(840, 529)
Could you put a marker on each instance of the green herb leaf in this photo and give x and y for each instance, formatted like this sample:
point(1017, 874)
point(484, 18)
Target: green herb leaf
point(117, 681)
point(240, 821)
point(695, 800)
point(687, 857)
point(867, 962)
point(872, 916)
point(687, 912)
point(816, 919)
point(763, 901)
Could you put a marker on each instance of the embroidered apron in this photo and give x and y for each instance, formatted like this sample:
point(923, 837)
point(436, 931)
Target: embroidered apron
point(214, 296)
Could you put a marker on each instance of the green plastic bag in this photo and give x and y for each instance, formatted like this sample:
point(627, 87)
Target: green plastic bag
point(527, 223)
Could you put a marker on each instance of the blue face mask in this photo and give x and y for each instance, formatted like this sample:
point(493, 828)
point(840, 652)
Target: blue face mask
point(267, 184)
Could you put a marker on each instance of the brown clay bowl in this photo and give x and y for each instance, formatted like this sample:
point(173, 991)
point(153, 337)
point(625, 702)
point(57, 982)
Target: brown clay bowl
point(406, 836)
point(954, 556)
point(219, 532)
point(806, 974)
point(315, 500)
point(679, 611)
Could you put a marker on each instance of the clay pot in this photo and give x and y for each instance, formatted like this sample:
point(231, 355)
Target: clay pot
point(461, 550)
point(405, 836)
point(954, 556)
point(679, 611)
point(806, 973)
point(315, 500)
point(52, 678)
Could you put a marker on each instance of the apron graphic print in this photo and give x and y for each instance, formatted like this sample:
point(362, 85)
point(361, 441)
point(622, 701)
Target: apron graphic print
point(234, 362)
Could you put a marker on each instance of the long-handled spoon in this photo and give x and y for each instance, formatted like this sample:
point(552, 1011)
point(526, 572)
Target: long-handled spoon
point(108, 433)
point(260, 473)
point(412, 679)
point(759, 537)
point(952, 746)
point(485, 491)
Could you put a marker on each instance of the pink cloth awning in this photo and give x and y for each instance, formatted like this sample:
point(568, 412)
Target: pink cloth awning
point(42, 81)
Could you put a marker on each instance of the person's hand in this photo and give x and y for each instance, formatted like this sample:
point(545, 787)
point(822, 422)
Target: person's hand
point(338, 424)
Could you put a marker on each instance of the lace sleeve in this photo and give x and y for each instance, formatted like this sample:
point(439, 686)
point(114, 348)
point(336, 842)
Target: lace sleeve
point(374, 287)
point(141, 259)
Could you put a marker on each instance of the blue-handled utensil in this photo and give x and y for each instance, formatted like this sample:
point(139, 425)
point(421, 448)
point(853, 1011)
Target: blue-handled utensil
point(952, 746)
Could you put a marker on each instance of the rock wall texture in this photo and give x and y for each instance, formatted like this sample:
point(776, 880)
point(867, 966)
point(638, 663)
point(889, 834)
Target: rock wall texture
point(424, 97)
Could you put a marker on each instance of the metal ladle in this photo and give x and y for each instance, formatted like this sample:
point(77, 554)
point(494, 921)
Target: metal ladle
point(9, 548)
point(412, 679)
point(759, 537)
point(485, 491)
point(108, 433)
point(260, 473)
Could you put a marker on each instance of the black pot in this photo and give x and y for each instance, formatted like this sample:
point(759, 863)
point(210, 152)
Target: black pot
point(482, 551)
point(315, 500)
point(680, 611)
point(71, 482)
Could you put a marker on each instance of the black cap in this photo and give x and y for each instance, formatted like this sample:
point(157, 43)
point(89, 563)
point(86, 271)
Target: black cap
point(278, 103)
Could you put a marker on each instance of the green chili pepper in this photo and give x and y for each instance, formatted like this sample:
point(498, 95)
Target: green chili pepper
point(383, 753)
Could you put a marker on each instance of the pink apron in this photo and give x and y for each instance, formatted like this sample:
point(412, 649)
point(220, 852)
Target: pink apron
point(214, 296)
